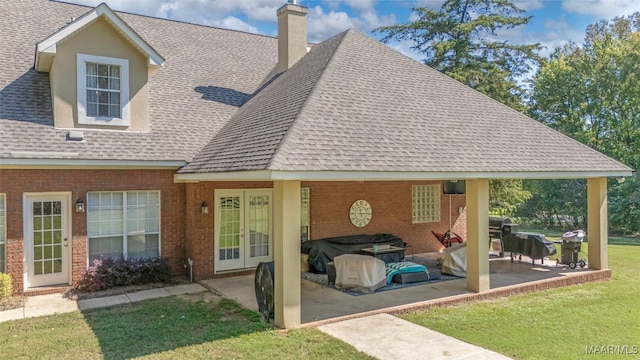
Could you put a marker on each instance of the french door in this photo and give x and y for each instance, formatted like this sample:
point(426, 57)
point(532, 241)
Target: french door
point(244, 230)
point(46, 238)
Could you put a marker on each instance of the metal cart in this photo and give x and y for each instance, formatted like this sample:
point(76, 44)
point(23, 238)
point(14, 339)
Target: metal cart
point(571, 248)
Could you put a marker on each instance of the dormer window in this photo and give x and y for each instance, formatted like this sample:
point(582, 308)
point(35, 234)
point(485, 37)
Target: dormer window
point(103, 90)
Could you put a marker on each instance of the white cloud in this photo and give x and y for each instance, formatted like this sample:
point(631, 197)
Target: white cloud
point(431, 4)
point(233, 23)
point(602, 9)
point(322, 25)
point(529, 5)
point(362, 5)
point(197, 11)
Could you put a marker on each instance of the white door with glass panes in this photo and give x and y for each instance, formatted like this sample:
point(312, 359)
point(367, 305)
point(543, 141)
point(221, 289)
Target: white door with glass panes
point(46, 238)
point(243, 236)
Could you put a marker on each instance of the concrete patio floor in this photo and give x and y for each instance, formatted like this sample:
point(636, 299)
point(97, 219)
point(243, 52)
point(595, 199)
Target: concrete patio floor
point(322, 304)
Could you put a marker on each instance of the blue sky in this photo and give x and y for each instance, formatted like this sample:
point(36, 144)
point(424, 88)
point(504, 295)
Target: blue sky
point(554, 22)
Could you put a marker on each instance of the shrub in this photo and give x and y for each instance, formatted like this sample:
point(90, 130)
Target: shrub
point(6, 287)
point(108, 273)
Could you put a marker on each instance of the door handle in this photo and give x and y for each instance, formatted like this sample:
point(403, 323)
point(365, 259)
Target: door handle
point(66, 242)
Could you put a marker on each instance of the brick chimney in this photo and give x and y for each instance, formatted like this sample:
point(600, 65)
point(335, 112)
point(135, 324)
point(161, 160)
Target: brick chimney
point(292, 35)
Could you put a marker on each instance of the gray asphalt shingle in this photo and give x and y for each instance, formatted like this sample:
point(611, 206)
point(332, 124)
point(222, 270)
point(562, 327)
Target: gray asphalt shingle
point(351, 104)
point(208, 74)
point(354, 104)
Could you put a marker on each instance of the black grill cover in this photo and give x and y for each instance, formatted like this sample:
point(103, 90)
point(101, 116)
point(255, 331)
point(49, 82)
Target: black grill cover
point(323, 251)
point(536, 246)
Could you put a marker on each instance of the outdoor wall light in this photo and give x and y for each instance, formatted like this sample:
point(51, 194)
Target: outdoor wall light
point(205, 208)
point(80, 205)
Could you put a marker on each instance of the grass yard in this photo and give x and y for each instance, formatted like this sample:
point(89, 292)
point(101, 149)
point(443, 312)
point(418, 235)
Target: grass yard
point(198, 326)
point(555, 324)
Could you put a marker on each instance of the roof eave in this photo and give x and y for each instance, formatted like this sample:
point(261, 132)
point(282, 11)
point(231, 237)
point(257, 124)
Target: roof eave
point(67, 163)
point(46, 49)
point(270, 175)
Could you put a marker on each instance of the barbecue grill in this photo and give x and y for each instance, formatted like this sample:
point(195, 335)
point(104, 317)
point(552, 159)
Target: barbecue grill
point(499, 227)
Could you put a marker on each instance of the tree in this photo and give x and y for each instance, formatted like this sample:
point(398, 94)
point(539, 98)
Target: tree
point(591, 92)
point(506, 196)
point(556, 204)
point(461, 41)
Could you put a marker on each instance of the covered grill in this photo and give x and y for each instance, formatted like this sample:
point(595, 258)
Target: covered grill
point(499, 227)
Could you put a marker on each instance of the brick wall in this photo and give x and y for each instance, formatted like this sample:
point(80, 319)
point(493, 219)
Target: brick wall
point(17, 182)
point(391, 207)
point(330, 203)
point(187, 233)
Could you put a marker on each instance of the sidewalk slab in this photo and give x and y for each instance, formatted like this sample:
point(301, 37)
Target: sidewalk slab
point(13, 314)
point(48, 305)
point(391, 338)
point(185, 289)
point(102, 302)
point(147, 294)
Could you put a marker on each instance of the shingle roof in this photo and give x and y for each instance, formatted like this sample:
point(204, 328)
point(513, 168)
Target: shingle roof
point(351, 104)
point(354, 104)
point(208, 73)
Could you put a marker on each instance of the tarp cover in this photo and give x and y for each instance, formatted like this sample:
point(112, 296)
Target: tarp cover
point(535, 246)
point(324, 251)
point(454, 260)
point(359, 273)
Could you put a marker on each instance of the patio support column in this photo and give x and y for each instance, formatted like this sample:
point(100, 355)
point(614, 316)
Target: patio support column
point(286, 234)
point(478, 235)
point(597, 228)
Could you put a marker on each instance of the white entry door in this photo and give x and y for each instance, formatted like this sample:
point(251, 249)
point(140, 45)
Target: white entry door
point(46, 238)
point(243, 236)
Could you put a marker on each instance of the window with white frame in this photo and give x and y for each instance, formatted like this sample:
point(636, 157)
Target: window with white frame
point(3, 233)
point(425, 203)
point(123, 224)
point(103, 90)
point(304, 215)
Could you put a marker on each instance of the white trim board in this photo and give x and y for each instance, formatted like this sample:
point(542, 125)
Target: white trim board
point(47, 48)
point(268, 175)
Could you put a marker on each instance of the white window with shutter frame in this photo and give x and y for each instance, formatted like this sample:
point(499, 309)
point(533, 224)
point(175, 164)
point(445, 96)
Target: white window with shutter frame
point(103, 90)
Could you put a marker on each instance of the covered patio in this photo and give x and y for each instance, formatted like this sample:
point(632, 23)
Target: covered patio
point(353, 111)
point(322, 304)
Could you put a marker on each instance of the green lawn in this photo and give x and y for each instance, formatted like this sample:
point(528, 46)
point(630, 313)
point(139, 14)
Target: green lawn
point(554, 324)
point(179, 327)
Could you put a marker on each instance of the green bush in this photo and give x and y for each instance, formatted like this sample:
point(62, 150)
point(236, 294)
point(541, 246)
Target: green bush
point(6, 287)
point(107, 273)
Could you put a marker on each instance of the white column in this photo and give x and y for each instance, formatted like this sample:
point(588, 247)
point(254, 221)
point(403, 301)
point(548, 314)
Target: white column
point(286, 253)
point(478, 235)
point(597, 228)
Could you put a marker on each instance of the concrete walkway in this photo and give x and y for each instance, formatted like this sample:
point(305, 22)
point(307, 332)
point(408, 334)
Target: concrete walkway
point(387, 337)
point(382, 336)
point(56, 304)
